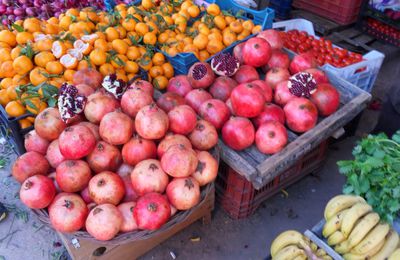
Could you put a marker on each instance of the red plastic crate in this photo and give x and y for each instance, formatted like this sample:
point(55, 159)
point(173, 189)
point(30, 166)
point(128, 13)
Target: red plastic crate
point(238, 196)
point(341, 11)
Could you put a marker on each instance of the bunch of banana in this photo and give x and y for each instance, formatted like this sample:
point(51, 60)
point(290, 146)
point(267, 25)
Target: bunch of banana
point(356, 232)
point(292, 245)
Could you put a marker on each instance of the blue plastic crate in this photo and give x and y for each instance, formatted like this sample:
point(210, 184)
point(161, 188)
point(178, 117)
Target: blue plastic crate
point(282, 7)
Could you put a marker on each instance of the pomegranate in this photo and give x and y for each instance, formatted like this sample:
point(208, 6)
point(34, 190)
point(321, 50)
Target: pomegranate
point(273, 37)
point(207, 168)
point(73, 176)
point(302, 62)
point(326, 98)
point(282, 93)
point(90, 77)
point(29, 164)
point(201, 75)
point(116, 128)
point(133, 100)
point(247, 101)
point(148, 176)
point(84, 90)
point(279, 59)
point(130, 193)
point(182, 119)
point(85, 195)
point(125, 170)
point(68, 212)
point(246, 74)
point(151, 211)
point(196, 98)
point(179, 161)
point(104, 157)
point(91, 206)
point(106, 187)
point(128, 221)
point(264, 88)
point(104, 222)
point(275, 76)
point(229, 105)
point(183, 193)
point(256, 52)
point(204, 136)
point(319, 75)
point(215, 111)
point(224, 64)
point(138, 149)
point(169, 100)
point(222, 87)
point(170, 140)
point(145, 85)
point(98, 106)
point(37, 192)
point(179, 85)
point(237, 52)
point(93, 128)
point(271, 112)
point(35, 143)
point(271, 137)
point(151, 122)
point(53, 154)
point(238, 133)
point(48, 124)
point(301, 114)
point(76, 142)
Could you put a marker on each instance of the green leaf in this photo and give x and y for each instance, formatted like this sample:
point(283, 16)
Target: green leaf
point(374, 162)
point(17, 27)
point(348, 189)
point(52, 102)
point(345, 166)
point(31, 105)
point(396, 137)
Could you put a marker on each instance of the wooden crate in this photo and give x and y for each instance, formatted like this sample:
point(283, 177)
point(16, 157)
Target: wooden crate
point(82, 249)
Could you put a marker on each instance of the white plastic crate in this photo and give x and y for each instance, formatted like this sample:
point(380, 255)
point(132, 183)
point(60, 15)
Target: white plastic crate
point(355, 73)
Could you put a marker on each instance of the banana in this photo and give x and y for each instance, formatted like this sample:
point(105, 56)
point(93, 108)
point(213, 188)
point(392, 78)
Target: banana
point(366, 224)
point(355, 212)
point(300, 257)
point(395, 255)
point(339, 203)
point(290, 237)
point(288, 253)
point(327, 257)
point(320, 252)
point(368, 255)
point(333, 224)
point(336, 238)
point(343, 247)
point(392, 239)
point(313, 247)
point(373, 238)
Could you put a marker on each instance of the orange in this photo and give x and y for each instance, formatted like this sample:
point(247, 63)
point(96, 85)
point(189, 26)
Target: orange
point(150, 38)
point(215, 36)
point(156, 71)
point(133, 53)
point(131, 67)
point(203, 55)
point(168, 70)
point(22, 64)
point(11, 92)
point(220, 22)
point(101, 44)
point(54, 67)
point(213, 9)
point(98, 57)
point(168, 20)
point(121, 75)
point(15, 52)
point(130, 76)
point(121, 32)
point(118, 61)
point(111, 34)
point(163, 37)
point(214, 46)
point(188, 40)
point(4, 45)
point(38, 106)
point(120, 46)
point(80, 28)
point(229, 38)
point(141, 28)
point(229, 19)
point(145, 63)
point(142, 50)
point(160, 82)
point(147, 4)
point(6, 82)
point(83, 47)
point(4, 99)
point(243, 34)
point(72, 12)
point(58, 49)
point(106, 69)
point(44, 45)
point(7, 69)
point(200, 41)
point(24, 123)
point(158, 59)
point(36, 76)
point(236, 26)
point(53, 20)
point(90, 38)
point(69, 74)
point(65, 22)
point(256, 29)
point(20, 80)
point(184, 13)
point(42, 58)
point(32, 25)
point(5, 54)
point(15, 109)
point(24, 37)
point(31, 119)
point(204, 30)
point(248, 25)
point(8, 37)
point(172, 51)
point(129, 24)
point(190, 48)
point(193, 11)
point(51, 29)
point(152, 27)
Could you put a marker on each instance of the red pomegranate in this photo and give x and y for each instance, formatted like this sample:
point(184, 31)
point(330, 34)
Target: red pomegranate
point(319, 75)
point(271, 137)
point(282, 93)
point(229, 105)
point(37, 192)
point(53, 154)
point(182, 119)
point(84, 90)
point(256, 52)
point(76, 142)
point(215, 111)
point(326, 98)
point(179, 161)
point(128, 221)
point(68, 212)
point(301, 114)
point(93, 128)
point(85, 195)
point(183, 193)
point(273, 38)
point(171, 140)
point(73, 175)
point(247, 101)
point(271, 112)
point(237, 52)
point(196, 98)
point(302, 62)
point(130, 193)
point(151, 122)
point(106, 187)
point(104, 157)
point(204, 136)
point(207, 168)
point(98, 106)
point(90, 77)
point(169, 100)
point(238, 133)
point(125, 170)
point(265, 89)
point(29, 164)
point(138, 149)
point(133, 100)
point(275, 76)
point(201, 75)
point(48, 124)
point(35, 143)
point(222, 87)
point(145, 85)
point(148, 176)
point(279, 59)
point(116, 128)
point(151, 211)
point(246, 74)
point(180, 85)
point(104, 222)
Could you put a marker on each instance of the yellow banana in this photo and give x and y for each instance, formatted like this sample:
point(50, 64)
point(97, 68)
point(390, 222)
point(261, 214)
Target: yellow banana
point(339, 203)
point(368, 255)
point(288, 253)
point(392, 239)
point(336, 238)
point(366, 224)
point(313, 247)
point(290, 237)
point(343, 247)
point(320, 252)
point(300, 257)
point(395, 255)
point(372, 239)
point(355, 212)
point(333, 224)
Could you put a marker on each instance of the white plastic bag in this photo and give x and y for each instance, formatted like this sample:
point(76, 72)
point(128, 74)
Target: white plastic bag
point(246, 3)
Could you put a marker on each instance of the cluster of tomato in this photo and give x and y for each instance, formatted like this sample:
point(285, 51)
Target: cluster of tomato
point(324, 51)
point(383, 31)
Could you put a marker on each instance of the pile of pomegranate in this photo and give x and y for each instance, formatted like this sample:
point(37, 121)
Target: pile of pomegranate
point(230, 94)
point(110, 160)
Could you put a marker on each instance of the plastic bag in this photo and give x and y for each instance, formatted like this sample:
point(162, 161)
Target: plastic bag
point(246, 3)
